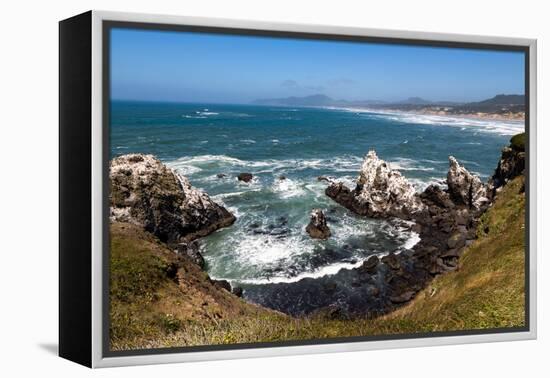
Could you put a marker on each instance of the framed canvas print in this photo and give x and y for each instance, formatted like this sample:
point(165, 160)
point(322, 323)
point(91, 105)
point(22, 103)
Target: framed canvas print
point(235, 189)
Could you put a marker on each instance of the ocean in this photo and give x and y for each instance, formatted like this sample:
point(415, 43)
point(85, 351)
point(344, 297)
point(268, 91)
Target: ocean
point(267, 251)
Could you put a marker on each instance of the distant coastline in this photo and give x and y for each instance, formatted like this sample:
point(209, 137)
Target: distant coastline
point(510, 116)
point(500, 107)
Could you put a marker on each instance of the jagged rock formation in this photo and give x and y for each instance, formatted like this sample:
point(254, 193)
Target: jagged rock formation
point(380, 191)
point(445, 220)
point(145, 192)
point(511, 163)
point(464, 187)
point(317, 227)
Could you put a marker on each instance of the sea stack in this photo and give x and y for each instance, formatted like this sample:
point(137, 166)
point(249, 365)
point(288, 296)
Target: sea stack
point(317, 227)
point(464, 187)
point(145, 192)
point(380, 192)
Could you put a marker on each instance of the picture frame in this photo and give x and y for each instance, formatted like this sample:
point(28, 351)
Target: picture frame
point(84, 158)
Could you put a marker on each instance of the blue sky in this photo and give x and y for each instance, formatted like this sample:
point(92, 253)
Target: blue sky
point(198, 67)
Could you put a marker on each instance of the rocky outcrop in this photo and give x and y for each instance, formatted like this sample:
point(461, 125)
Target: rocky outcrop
point(380, 191)
point(145, 192)
point(317, 227)
point(445, 219)
point(191, 250)
point(510, 165)
point(464, 187)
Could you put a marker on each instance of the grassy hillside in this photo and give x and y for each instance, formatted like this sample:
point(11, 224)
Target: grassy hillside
point(155, 294)
point(150, 309)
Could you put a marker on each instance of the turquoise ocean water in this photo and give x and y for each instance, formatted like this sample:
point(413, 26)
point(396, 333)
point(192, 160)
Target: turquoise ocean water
point(268, 245)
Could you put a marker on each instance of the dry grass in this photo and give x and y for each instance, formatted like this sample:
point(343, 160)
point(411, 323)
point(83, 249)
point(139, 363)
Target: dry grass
point(486, 292)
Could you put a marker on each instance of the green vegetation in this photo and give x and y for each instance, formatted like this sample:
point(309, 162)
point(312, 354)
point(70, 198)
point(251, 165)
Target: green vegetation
point(150, 310)
point(518, 142)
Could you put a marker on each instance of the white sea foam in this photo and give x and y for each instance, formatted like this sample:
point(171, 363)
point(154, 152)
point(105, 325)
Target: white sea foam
point(288, 188)
point(336, 164)
point(194, 117)
point(502, 127)
point(327, 270)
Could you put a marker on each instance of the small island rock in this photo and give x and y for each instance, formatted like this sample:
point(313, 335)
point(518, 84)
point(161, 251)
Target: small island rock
point(317, 227)
point(245, 177)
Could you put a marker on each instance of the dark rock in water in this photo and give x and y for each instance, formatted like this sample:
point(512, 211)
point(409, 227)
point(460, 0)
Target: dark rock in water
point(282, 177)
point(254, 225)
point(465, 188)
point(401, 298)
point(246, 177)
point(238, 291)
point(221, 175)
point(380, 191)
point(324, 178)
point(317, 227)
point(144, 191)
point(510, 165)
point(223, 284)
point(191, 250)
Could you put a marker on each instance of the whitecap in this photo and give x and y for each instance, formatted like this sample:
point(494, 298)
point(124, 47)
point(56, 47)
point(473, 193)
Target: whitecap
point(287, 188)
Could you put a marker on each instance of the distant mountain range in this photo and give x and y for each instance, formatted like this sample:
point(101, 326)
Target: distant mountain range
point(314, 100)
point(503, 100)
point(323, 100)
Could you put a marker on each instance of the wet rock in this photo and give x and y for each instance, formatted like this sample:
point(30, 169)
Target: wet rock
point(464, 187)
point(282, 177)
point(238, 291)
point(246, 177)
point(145, 192)
point(191, 250)
point(221, 175)
point(317, 227)
point(324, 178)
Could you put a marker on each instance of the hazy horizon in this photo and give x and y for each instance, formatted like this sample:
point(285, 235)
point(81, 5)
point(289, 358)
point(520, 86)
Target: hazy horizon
point(194, 67)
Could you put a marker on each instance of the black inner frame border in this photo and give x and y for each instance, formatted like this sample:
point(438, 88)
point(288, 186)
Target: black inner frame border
point(108, 25)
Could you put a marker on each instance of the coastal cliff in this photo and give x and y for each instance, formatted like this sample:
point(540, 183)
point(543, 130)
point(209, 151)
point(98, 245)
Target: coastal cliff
point(145, 192)
point(473, 232)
